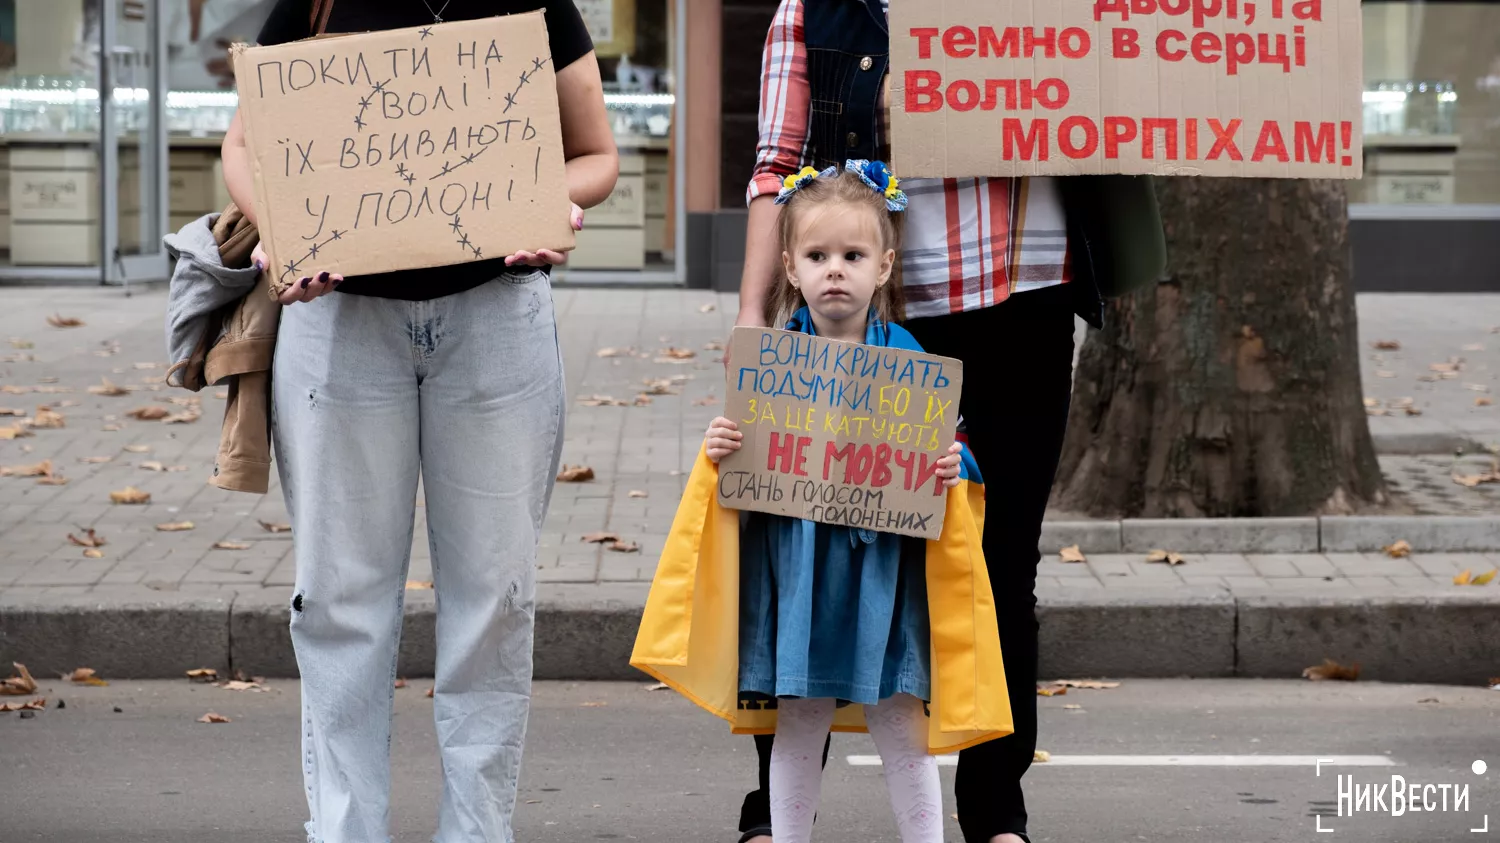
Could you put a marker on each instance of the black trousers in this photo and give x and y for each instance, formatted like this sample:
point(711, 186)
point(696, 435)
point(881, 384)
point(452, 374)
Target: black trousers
point(1018, 373)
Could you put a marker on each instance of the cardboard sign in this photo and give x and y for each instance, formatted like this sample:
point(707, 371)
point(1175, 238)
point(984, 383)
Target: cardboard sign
point(840, 433)
point(1268, 88)
point(406, 148)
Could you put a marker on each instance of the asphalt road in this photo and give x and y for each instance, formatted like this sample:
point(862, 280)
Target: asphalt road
point(620, 762)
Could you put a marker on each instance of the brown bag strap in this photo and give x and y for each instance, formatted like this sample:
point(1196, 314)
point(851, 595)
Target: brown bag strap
point(317, 20)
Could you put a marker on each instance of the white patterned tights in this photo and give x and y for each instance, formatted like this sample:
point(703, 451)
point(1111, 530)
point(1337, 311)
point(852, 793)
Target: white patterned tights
point(899, 729)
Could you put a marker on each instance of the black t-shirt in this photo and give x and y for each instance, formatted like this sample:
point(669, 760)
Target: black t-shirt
point(566, 35)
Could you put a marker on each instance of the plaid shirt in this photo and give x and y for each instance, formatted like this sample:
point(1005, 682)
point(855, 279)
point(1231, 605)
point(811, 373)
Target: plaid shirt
point(969, 243)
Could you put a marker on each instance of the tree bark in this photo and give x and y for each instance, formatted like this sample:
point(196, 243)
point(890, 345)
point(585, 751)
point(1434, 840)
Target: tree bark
point(1232, 388)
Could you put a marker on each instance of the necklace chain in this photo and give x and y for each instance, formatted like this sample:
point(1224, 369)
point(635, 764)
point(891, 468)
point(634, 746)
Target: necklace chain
point(437, 17)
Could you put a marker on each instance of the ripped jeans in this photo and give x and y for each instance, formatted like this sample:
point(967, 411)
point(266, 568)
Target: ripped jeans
point(368, 392)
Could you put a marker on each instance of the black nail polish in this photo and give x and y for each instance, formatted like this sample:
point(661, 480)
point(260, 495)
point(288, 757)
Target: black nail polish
point(305, 282)
point(322, 277)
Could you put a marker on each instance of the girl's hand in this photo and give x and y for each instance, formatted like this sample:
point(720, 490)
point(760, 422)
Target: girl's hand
point(305, 288)
point(723, 438)
point(546, 257)
point(948, 465)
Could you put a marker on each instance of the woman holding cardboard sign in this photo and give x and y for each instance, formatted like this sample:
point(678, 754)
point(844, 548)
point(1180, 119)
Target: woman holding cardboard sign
point(452, 374)
point(994, 271)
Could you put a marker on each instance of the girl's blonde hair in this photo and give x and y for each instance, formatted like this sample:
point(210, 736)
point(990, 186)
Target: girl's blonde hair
point(844, 188)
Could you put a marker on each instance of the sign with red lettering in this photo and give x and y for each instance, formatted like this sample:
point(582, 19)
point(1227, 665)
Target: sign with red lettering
point(840, 433)
point(1266, 88)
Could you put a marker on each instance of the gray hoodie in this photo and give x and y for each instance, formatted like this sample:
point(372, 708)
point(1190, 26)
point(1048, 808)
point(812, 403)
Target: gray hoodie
point(201, 285)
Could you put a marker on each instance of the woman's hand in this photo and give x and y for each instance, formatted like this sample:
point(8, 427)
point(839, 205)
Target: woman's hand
point(305, 288)
point(723, 438)
point(947, 466)
point(546, 257)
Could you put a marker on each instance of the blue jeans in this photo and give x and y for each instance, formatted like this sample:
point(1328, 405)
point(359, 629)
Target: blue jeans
point(467, 391)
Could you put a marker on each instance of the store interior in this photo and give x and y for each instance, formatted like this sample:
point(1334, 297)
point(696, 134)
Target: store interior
point(52, 203)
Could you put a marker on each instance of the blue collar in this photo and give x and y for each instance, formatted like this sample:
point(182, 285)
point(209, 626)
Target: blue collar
point(876, 333)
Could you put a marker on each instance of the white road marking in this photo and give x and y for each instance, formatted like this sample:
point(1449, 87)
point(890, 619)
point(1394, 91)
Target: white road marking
point(1175, 761)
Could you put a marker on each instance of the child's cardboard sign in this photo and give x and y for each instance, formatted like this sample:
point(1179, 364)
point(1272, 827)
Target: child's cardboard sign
point(406, 148)
point(840, 433)
point(1169, 87)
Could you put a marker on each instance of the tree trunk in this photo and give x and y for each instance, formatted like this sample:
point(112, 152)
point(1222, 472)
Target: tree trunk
point(1232, 388)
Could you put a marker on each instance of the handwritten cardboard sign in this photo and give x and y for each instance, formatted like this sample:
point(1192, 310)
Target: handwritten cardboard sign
point(1266, 88)
point(406, 148)
point(840, 433)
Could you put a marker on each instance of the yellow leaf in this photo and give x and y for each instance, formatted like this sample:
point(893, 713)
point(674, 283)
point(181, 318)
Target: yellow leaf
point(231, 546)
point(59, 321)
point(575, 474)
point(130, 495)
point(47, 419)
point(418, 585)
point(203, 674)
point(41, 469)
point(1482, 401)
point(85, 676)
point(1484, 579)
point(1387, 345)
point(151, 412)
point(20, 684)
point(14, 431)
point(275, 528)
point(1041, 756)
point(1054, 691)
point(1464, 578)
point(1072, 553)
point(175, 527)
point(213, 717)
point(1398, 550)
point(1087, 684)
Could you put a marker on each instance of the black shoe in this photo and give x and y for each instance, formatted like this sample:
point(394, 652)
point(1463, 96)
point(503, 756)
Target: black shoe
point(766, 831)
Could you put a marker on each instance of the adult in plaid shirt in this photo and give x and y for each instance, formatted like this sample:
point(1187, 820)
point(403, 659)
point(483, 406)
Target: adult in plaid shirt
point(994, 271)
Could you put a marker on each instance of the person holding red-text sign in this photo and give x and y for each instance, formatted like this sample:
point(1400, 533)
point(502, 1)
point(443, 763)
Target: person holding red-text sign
point(993, 271)
point(450, 374)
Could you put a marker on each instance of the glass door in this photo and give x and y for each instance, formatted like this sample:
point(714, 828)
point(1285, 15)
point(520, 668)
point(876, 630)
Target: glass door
point(134, 162)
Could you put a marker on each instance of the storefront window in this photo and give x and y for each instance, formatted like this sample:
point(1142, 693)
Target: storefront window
point(1431, 104)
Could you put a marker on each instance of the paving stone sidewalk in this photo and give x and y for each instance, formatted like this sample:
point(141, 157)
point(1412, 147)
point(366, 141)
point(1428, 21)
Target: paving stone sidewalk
point(639, 453)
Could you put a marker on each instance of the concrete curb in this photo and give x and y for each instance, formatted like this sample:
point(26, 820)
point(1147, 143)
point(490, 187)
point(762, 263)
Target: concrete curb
point(587, 632)
point(1328, 534)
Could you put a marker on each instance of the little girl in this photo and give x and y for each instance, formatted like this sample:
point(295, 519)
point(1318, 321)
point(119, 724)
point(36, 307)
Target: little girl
point(833, 622)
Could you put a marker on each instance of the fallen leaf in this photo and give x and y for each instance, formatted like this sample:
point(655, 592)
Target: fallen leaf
point(707, 308)
point(14, 431)
point(271, 527)
point(187, 417)
point(175, 527)
point(601, 401)
point(84, 676)
point(1428, 700)
point(613, 352)
point(213, 717)
point(203, 674)
point(400, 683)
point(1051, 691)
point(659, 387)
point(418, 585)
point(241, 685)
point(108, 388)
point(639, 493)
point(151, 412)
point(41, 469)
point(8, 411)
point(677, 353)
point(111, 428)
point(623, 547)
point(600, 538)
point(23, 344)
point(533, 802)
point(593, 705)
point(1166, 556)
point(713, 345)
point(186, 401)
point(138, 449)
point(145, 366)
point(38, 704)
point(1464, 577)
point(1484, 579)
point(706, 401)
point(1086, 684)
point(1072, 553)
point(130, 495)
point(1398, 550)
point(1372, 402)
point(1041, 756)
point(575, 474)
point(231, 546)
point(153, 465)
point(1387, 345)
point(1331, 669)
point(660, 686)
point(1383, 373)
point(47, 419)
point(1377, 411)
point(58, 321)
point(93, 553)
point(1481, 401)
point(94, 460)
point(21, 683)
point(90, 538)
point(429, 693)
point(642, 400)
